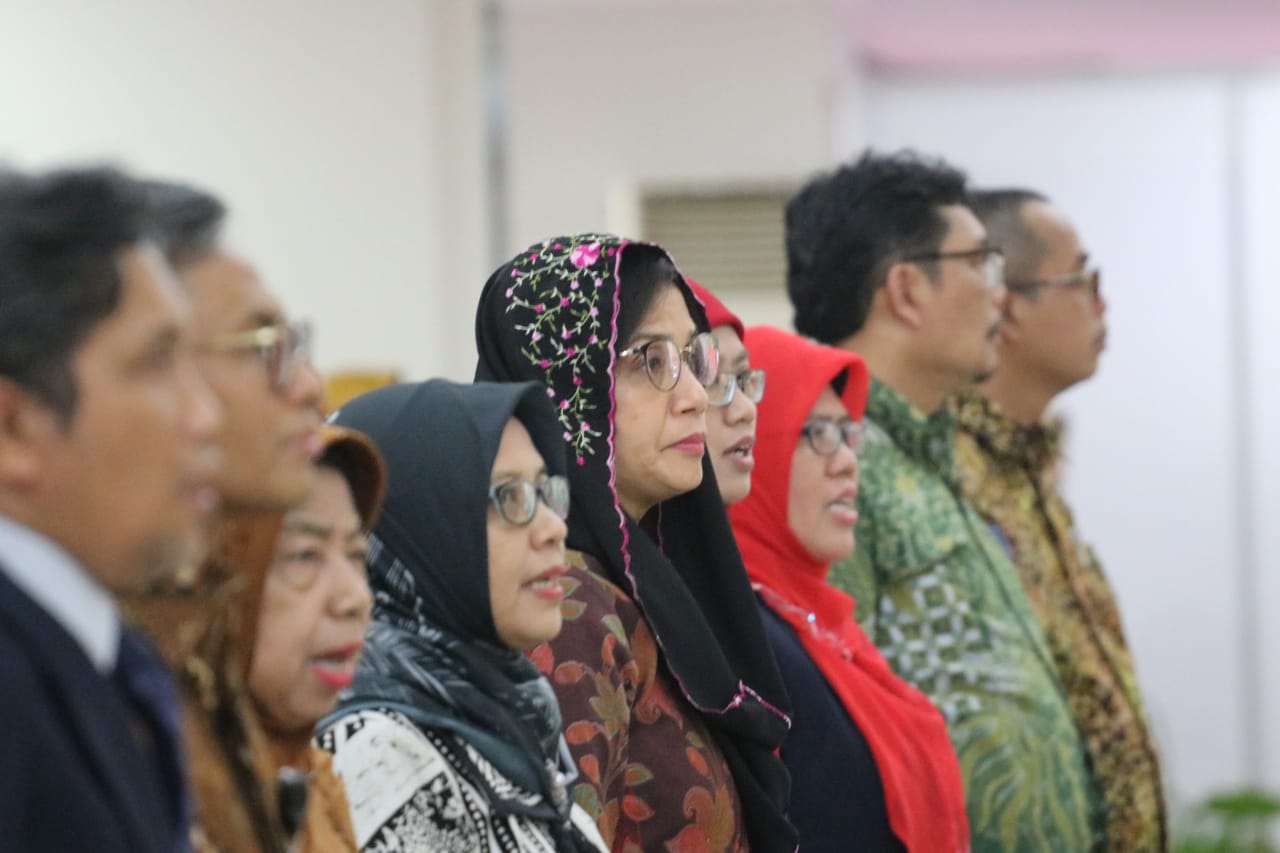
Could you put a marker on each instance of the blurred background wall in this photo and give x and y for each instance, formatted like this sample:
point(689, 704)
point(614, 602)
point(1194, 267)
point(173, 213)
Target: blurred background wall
point(382, 157)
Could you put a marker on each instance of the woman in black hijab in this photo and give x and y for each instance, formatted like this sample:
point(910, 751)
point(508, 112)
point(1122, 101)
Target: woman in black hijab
point(449, 739)
point(672, 701)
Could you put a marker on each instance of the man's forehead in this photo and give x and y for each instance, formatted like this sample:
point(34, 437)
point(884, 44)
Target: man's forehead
point(963, 226)
point(149, 284)
point(228, 295)
point(1051, 225)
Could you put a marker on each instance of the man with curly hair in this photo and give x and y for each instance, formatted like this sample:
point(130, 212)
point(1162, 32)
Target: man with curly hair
point(886, 259)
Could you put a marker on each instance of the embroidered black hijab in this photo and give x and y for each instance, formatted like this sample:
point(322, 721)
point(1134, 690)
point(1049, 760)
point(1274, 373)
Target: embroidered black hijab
point(551, 315)
point(433, 652)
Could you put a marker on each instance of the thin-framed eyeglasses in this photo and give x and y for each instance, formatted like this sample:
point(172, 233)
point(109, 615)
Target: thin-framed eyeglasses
point(517, 500)
point(663, 360)
point(281, 346)
point(726, 385)
point(991, 259)
point(1089, 278)
point(825, 435)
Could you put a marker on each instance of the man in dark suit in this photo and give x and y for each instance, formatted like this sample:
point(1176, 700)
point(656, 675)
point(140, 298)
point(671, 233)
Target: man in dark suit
point(107, 465)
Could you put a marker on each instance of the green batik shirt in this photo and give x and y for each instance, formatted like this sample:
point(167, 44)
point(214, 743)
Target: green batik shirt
point(938, 594)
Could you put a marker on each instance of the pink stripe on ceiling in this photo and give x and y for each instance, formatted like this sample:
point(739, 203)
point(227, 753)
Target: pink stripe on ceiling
point(1037, 35)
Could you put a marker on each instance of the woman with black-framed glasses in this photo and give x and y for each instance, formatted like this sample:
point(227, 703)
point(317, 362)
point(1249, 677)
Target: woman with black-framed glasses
point(673, 704)
point(872, 767)
point(449, 738)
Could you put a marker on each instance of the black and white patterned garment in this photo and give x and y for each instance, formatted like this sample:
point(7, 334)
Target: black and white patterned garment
point(409, 793)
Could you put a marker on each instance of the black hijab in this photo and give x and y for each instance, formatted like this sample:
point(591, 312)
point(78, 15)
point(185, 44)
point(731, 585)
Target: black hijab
point(433, 652)
point(551, 315)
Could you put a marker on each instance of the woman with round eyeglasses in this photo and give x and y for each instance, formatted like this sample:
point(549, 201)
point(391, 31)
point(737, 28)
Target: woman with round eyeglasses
point(673, 704)
point(732, 397)
point(871, 765)
point(449, 738)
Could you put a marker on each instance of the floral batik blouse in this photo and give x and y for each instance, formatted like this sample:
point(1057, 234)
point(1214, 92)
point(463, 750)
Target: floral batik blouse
point(649, 772)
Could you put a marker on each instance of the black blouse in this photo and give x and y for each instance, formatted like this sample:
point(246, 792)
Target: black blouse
point(837, 802)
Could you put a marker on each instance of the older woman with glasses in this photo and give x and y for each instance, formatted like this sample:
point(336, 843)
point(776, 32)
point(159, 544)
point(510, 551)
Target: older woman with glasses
point(871, 765)
point(311, 620)
point(672, 700)
point(449, 739)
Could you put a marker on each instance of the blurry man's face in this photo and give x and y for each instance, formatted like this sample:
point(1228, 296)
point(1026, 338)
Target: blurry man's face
point(127, 483)
point(1056, 331)
point(270, 435)
point(961, 321)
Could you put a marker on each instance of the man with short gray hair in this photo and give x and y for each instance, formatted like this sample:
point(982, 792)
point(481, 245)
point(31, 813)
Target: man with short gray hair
point(1007, 454)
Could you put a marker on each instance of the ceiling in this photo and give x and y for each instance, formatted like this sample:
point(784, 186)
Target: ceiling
point(931, 35)
point(1076, 34)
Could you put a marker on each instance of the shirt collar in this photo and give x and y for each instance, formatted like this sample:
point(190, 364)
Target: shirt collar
point(925, 438)
point(59, 584)
point(1010, 443)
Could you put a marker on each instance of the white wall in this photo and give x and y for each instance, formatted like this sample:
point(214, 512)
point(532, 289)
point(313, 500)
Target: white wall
point(1260, 167)
point(348, 137)
point(1141, 164)
point(603, 95)
point(336, 129)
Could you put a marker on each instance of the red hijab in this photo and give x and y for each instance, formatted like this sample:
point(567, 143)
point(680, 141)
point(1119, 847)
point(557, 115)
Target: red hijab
point(717, 314)
point(923, 790)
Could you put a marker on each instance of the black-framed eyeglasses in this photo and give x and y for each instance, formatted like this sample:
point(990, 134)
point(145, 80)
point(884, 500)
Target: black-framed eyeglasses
point(726, 385)
point(990, 259)
point(282, 347)
point(1089, 278)
point(517, 500)
point(663, 360)
point(825, 435)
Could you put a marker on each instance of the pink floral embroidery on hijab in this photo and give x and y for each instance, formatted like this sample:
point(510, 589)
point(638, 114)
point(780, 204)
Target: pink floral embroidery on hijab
point(558, 288)
point(585, 256)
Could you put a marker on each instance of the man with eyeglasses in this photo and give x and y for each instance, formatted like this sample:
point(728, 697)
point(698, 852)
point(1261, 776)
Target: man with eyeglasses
point(258, 365)
point(1006, 453)
point(886, 259)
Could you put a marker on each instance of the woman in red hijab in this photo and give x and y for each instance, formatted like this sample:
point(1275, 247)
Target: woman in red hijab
point(731, 401)
point(871, 765)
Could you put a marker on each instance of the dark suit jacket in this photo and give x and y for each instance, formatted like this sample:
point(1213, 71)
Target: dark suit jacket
point(71, 777)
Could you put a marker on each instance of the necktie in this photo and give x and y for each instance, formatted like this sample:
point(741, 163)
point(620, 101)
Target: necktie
point(147, 686)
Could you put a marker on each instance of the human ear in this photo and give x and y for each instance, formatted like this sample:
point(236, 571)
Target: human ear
point(26, 425)
point(1013, 315)
point(902, 293)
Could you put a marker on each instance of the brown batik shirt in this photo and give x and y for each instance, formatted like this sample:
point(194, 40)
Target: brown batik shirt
point(1007, 471)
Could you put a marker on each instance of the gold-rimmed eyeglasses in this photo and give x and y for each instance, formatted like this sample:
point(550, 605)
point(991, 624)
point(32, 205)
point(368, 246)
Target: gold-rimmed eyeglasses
point(281, 346)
